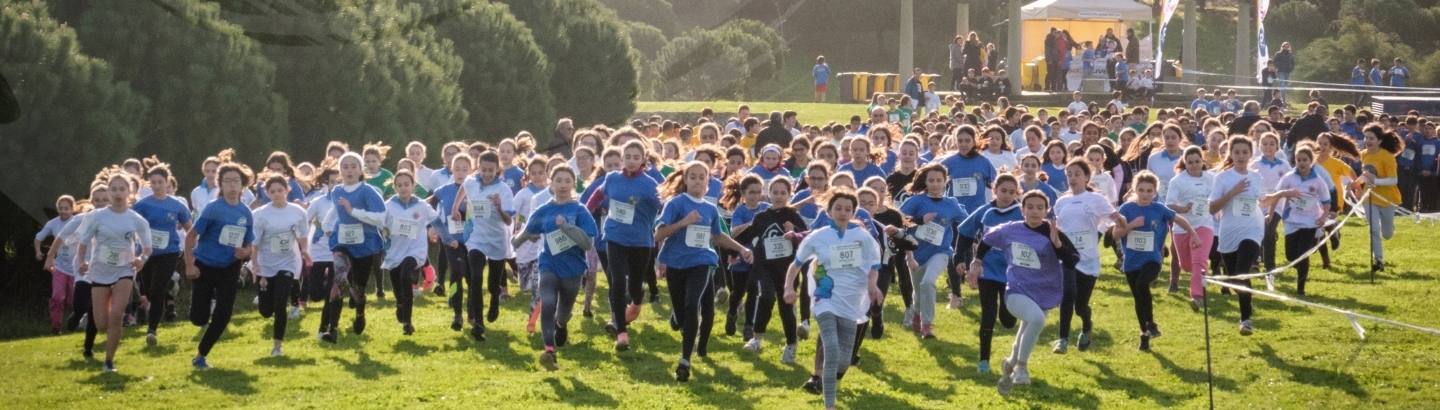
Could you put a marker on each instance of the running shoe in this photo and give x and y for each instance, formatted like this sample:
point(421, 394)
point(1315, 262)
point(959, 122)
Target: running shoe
point(803, 331)
point(456, 325)
point(682, 372)
point(906, 320)
point(610, 329)
point(276, 352)
point(748, 332)
point(752, 346)
point(1195, 304)
point(1021, 376)
point(358, 325)
point(983, 367)
point(674, 322)
point(622, 342)
point(1084, 341)
point(493, 313)
point(926, 332)
point(1245, 329)
point(787, 356)
point(954, 302)
point(88, 354)
point(915, 323)
point(200, 363)
point(1154, 331)
point(729, 325)
point(329, 337)
point(108, 367)
point(478, 332)
point(1144, 343)
point(294, 312)
point(562, 336)
point(547, 360)
point(1007, 369)
point(877, 328)
point(1060, 346)
point(409, 329)
point(151, 340)
point(588, 314)
point(814, 385)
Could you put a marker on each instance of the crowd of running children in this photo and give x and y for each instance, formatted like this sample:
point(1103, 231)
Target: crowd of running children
point(743, 215)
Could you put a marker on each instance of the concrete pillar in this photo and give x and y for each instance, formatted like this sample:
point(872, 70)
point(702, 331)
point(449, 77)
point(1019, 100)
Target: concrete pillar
point(962, 19)
point(907, 41)
point(1013, 63)
point(1188, 58)
point(1244, 59)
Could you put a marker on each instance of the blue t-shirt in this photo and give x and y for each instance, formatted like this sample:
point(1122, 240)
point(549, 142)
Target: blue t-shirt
point(982, 220)
point(1200, 103)
point(365, 198)
point(891, 160)
point(1375, 76)
point(1157, 223)
point(822, 219)
point(766, 175)
point(1122, 71)
point(571, 262)
point(741, 216)
point(1049, 191)
point(1357, 76)
point(1353, 130)
point(1055, 177)
point(163, 216)
point(821, 73)
point(513, 178)
point(1427, 162)
point(871, 170)
point(297, 193)
point(212, 222)
point(809, 211)
point(978, 168)
point(1397, 76)
point(641, 192)
point(677, 252)
point(446, 201)
point(1409, 137)
point(948, 212)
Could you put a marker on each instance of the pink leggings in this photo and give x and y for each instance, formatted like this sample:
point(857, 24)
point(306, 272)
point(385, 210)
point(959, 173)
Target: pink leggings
point(1194, 260)
point(62, 286)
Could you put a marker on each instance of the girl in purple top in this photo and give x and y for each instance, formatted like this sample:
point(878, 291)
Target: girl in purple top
point(1036, 253)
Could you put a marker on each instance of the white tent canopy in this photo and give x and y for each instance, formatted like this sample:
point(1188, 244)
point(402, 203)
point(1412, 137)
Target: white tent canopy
point(1123, 10)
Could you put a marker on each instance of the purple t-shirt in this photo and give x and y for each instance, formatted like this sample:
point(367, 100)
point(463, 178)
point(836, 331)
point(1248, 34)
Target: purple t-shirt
point(1044, 284)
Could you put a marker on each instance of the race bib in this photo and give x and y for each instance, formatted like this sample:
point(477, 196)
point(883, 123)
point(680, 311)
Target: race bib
point(1024, 256)
point(845, 256)
point(454, 227)
point(232, 236)
point(1164, 190)
point(1427, 150)
point(930, 232)
point(1084, 241)
point(282, 243)
point(351, 234)
point(113, 256)
point(1246, 206)
point(480, 209)
point(777, 247)
point(159, 239)
point(1140, 241)
point(1302, 204)
point(963, 187)
point(697, 236)
point(1409, 154)
point(622, 212)
point(406, 228)
point(1199, 206)
point(558, 242)
point(66, 252)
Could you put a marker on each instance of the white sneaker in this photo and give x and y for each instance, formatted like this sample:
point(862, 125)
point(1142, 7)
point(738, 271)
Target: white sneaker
point(84, 320)
point(954, 303)
point(1022, 375)
point(752, 346)
point(294, 312)
point(788, 356)
point(275, 352)
point(1007, 369)
point(906, 320)
point(415, 292)
point(1245, 328)
point(257, 301)
point(803, 331)
point(151, 340)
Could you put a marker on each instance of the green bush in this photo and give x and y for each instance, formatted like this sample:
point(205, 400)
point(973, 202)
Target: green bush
point(699, 65)
point(1297, 22)
point(1330, 59)
point(75, 116)
point(506, 78)
point(1397, 16)
point(655, 13)
point(595, 79)
point(646, 39)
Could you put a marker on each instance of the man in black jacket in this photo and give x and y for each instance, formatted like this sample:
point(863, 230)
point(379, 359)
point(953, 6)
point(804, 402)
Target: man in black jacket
point(1248, 117)
point(1132, 47)
point(1309, 126)
point(775, 133)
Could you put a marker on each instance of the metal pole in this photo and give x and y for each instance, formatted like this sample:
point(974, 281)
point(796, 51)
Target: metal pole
point(1013, 57)
point(1188, 54)
point(1209, 369)
point(907, 42)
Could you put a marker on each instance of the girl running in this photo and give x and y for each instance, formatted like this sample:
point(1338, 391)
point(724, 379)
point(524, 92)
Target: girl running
point(971, 177)
point(221, 241)
point(933, 214)
point(744, 198)
point(1380, 174)
point(568, 230)
point(1082, 215)
point(316, 283)
point(354, 229)
point(62, 267)
point(489, 207)
point(631, 199)
point(1304, 213)
point(1141, 229)
point(406, 217)
point(687, 225)
point(1189, 195)
point(1270, 167)
point(1239, 199)
point(114, 231)
point(1004, 209)
point(772, 233)
point(280, 228)
point(893, 267)
point(863, 158)
point(165, 215)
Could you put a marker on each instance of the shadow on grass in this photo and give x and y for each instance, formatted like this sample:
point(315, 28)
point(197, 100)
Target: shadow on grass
point(1196, 376)
point(1347, 303)
point(580, 394)
point(111, 382)
point(1135, 388)
point(160, 350)
point(1041, 391)
point(409, 347)
point(366, 368)
point(716, 386)
point(284, 362)
point(1314, 376)
point(230, 381)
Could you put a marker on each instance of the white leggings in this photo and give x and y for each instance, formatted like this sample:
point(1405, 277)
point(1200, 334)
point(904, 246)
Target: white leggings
point(1382, 227)
point(1032, 321)
point(924, 282)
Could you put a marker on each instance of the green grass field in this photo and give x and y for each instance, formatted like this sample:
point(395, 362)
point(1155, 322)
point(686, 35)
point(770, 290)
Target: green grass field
point(1298, 358)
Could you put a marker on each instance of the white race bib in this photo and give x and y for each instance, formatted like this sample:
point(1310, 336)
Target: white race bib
point(1084, 241)
point(454, 227)
point(1164, 190)
point(558, 242)
point(963, 187)
point(406, 228)
point(697, 236)
point(232, 236)
point(1140, 241)
point(1302, 204)
point(622, 212)
point(777, 247)
point(113, 256)
point(1199, 206)
point(1024, 256)
point(159, 239)
point(480, 209)
point(351, 234)
point(930, 232)
point(1409, 154)
point(282, 242)
point(65, 253)
point(1246, 206)
point(1427, 150)
point(845, 256)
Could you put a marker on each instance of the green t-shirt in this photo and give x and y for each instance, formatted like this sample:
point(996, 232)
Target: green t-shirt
point(383, 181)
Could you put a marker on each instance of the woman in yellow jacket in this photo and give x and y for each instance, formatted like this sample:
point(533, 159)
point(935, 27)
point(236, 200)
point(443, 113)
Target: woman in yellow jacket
point(1381, 174)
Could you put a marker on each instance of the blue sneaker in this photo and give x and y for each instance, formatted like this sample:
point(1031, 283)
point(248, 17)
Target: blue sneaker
point(200, 363)
point(983, 367)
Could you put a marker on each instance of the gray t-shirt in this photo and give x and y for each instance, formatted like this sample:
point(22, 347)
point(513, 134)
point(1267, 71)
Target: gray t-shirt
point(957, 56)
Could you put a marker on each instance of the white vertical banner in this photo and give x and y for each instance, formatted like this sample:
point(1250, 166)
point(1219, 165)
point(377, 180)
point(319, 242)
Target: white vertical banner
point(1165, 15)
point(1262, 53)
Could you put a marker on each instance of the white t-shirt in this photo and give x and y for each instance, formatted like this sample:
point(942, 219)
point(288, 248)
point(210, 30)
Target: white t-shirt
point(407, 233)
point(1314, 196)
point(1076, 107)
point(1164, 169)
point(1069, 136)
point(1241, 219)
point(426, 176)
point(1105, 186)
point(1004, 159)
point(1185, 189)
point(278, 232)
point(530, 250)
point(488, 234)
point(67, 258)
point(1271, 173)
point(850, 296)
point(320, 206)
point(1082, 217)
point(115, 235)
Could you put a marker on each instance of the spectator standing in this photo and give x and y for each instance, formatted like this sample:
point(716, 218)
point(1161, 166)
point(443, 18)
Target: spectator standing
point(957, 63)
point(774, 133)
point(913, 88)
point(1284, 65)
point(1398, 74)
point(1132, 46)
point(1052, 59)
point(822, 78)
point(973, 48)
point(1357, 81)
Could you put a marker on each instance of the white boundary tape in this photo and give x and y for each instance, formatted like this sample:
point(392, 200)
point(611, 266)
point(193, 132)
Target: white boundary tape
point(1359, 330)
point(1324, 241)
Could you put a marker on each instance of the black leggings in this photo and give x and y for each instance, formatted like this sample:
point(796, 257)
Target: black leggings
point(626, 265)
point(992, 306)
point(1272, 237)
point(219, 284)
point(82, 302)
point(400, 278)
point(458, 262)
point(901, 277)
point(963, 253)
point(768, 279)
point(155, 285)
point(379, 275)
point(1296, 244)
point(274, 292)
point(478, 263)
point(1240, 261)
point(803, 290)
point(1139, 281)
point(694, 303)
point(1078, 288)
point(741, 286)
point(316, 284)
point(441, 261)
point(355, 272)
